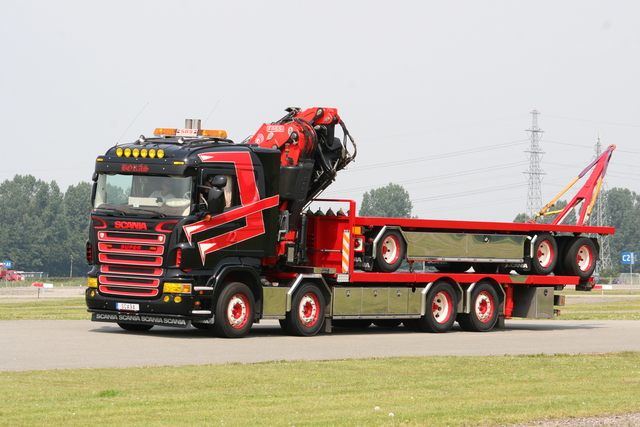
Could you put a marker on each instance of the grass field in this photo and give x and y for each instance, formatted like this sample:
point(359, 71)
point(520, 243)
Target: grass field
point(424, 391)
point(56, 281)
point(420, 391)
point(45, 309)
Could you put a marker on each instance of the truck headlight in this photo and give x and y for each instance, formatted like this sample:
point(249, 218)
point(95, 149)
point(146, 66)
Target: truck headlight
point(176, 288)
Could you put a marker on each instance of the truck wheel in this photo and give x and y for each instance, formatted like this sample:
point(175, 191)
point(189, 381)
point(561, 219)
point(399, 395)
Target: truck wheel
point(135, 327)
point(484, 309)
point(307, 312)
point(545, 254)
point(441, 312)
point(558, 270)
point(390, 252)
point(234, 311)
point(580, 257)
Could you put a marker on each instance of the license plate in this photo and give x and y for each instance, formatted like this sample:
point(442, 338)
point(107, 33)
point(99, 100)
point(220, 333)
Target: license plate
point(125, 306)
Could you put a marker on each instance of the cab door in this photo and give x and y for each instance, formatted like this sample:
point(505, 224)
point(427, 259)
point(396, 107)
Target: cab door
point(214, 235)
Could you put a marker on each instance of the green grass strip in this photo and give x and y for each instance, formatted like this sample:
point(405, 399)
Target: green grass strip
point(622, 309)
point(45, 309)
point(410, 391)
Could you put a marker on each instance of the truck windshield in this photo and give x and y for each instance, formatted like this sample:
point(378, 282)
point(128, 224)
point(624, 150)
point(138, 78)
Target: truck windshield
point(143, 195)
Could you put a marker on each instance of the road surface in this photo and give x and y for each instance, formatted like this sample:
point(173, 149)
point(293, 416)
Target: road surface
point(65, 344)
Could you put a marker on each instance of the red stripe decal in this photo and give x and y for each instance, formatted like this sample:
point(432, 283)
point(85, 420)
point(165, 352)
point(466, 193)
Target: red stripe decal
point(251, 208)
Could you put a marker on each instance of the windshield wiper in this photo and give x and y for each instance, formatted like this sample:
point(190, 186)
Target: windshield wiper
point(158, 213)
point(118, 211)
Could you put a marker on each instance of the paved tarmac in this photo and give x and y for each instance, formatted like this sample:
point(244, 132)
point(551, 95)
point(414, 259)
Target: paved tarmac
point(64, 344)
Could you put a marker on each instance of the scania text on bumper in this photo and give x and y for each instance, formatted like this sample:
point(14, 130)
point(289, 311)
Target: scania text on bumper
point(144, 319)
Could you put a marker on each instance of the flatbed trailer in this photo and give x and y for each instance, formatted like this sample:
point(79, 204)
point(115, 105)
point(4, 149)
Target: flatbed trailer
point(455, 290)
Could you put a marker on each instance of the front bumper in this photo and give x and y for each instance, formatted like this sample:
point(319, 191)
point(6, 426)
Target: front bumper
point(140, 318)
point(150, 312)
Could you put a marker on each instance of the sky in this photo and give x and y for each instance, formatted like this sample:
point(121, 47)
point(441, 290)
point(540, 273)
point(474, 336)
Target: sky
point(437, 95)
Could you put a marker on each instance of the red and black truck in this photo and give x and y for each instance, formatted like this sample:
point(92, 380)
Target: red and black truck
point(190, 228)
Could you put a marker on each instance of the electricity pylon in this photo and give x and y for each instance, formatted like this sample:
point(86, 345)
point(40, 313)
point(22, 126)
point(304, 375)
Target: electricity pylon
point(534, 172)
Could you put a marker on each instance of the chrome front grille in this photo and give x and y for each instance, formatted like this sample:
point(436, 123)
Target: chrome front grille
point(131, 263)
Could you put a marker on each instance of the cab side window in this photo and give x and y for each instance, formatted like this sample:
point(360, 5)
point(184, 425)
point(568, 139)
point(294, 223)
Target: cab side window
point(231, 195)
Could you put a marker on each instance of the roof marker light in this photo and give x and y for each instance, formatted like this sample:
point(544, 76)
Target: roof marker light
point(166, 132)
point(191, 133)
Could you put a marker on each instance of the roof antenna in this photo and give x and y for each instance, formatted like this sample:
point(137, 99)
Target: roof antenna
point(207, 119)
point(131, 124)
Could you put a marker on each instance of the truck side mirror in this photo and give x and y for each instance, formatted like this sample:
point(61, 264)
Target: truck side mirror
point(94, 187)
point(215, 196)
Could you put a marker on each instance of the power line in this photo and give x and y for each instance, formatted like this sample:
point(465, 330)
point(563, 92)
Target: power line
point(593, 121)
point(467, 193)
point(436, 157)
point(441, 177)
point(443, 129)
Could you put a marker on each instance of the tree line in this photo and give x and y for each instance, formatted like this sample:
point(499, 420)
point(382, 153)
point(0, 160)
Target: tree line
point(43, 228)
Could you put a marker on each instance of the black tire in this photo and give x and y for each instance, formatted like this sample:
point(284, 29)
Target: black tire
point(135, 327)
point(484, 309)
point(562, 245)
point(442, 307)
point(307, 312)
point(234, 311)
point(580, 257)
point(544, 255)
point(390, 252)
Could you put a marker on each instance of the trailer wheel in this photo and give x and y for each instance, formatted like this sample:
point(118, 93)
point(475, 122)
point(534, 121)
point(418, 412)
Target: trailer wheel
point(545, 254)
point(135, 327)
point(580, 257)
point(558, 270)
point(484, 309)
point(390, 252)
point(441, 312)
point(307, 312)
point(234, 311)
